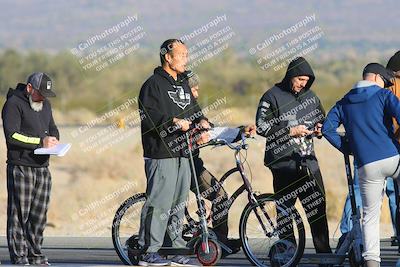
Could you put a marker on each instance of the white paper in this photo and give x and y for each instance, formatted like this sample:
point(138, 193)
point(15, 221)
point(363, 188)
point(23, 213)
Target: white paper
point(225, 133)
point(59, 150)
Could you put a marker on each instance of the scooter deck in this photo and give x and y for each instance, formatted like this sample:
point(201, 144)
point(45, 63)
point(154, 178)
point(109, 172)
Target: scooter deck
point(395, 241)
point(165, 251)
point(322, 258)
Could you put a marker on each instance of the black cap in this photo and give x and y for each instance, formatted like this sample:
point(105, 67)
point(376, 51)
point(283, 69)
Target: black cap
point(394, 62)
point(387, 75)
point(42, 82)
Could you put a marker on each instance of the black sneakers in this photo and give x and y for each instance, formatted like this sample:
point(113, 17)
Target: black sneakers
point(234, 245)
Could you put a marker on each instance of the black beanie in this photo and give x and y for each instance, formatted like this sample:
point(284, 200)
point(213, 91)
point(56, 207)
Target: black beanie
point(394, 62)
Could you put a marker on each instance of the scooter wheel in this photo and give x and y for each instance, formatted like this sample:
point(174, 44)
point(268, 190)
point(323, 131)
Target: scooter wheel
point(211, 258)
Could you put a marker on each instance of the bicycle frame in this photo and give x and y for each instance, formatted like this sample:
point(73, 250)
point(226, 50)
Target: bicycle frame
point(239, 166)
point(251, 195)
point(246, 183)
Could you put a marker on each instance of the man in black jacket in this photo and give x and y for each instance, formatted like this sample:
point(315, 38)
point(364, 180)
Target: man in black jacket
point(288, 115)
point(168, 109)
point(28, 124)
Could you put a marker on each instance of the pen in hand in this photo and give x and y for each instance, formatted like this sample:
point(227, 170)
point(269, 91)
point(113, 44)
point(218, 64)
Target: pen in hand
point(49, 141)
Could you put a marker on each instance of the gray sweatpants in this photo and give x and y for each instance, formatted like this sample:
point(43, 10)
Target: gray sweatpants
point(372, 185)
point(168, 184)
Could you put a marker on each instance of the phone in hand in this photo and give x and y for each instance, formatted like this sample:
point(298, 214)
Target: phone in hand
point(310, 126)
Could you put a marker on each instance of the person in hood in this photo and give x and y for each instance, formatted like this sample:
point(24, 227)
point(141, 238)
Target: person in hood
point(168, 109)
point(366, 113)
point(28, 124)
point(288, 116)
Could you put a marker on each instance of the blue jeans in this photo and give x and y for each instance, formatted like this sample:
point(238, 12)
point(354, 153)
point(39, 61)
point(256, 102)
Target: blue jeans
point(391, 194)
point(346, 224)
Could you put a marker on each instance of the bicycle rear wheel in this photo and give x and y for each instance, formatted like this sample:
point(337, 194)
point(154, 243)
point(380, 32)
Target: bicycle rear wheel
point(125, 228)
point(267, 242)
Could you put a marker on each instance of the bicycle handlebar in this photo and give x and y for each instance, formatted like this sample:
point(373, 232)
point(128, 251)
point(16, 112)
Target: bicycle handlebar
point(223, 142)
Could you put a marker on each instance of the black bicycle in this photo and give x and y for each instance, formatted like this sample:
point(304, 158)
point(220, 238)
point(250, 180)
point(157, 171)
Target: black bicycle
point(271, 234)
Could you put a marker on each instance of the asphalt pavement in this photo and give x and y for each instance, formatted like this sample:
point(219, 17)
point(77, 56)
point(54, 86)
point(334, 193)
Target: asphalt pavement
point(99, 251)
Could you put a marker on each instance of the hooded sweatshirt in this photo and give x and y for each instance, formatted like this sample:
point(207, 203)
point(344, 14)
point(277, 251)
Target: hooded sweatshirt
point(280, 108)
point(366, 113)
point(161, 99)
point(24, 128)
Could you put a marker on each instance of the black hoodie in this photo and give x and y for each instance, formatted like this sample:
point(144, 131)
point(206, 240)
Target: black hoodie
point(161, 99)
point(24, 128)
point(280, 108)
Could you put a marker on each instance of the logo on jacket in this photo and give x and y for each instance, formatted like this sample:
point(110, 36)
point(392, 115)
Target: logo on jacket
point(179, 97)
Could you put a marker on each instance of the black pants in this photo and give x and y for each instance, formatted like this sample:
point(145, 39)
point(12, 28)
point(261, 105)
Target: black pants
point(298, 182)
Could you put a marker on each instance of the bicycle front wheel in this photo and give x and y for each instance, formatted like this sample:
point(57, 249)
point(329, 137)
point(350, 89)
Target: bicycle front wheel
point(125, 228)
point(272, 234)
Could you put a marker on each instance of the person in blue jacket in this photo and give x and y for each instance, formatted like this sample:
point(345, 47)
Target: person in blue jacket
point(366, 113)
point(345, 223)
